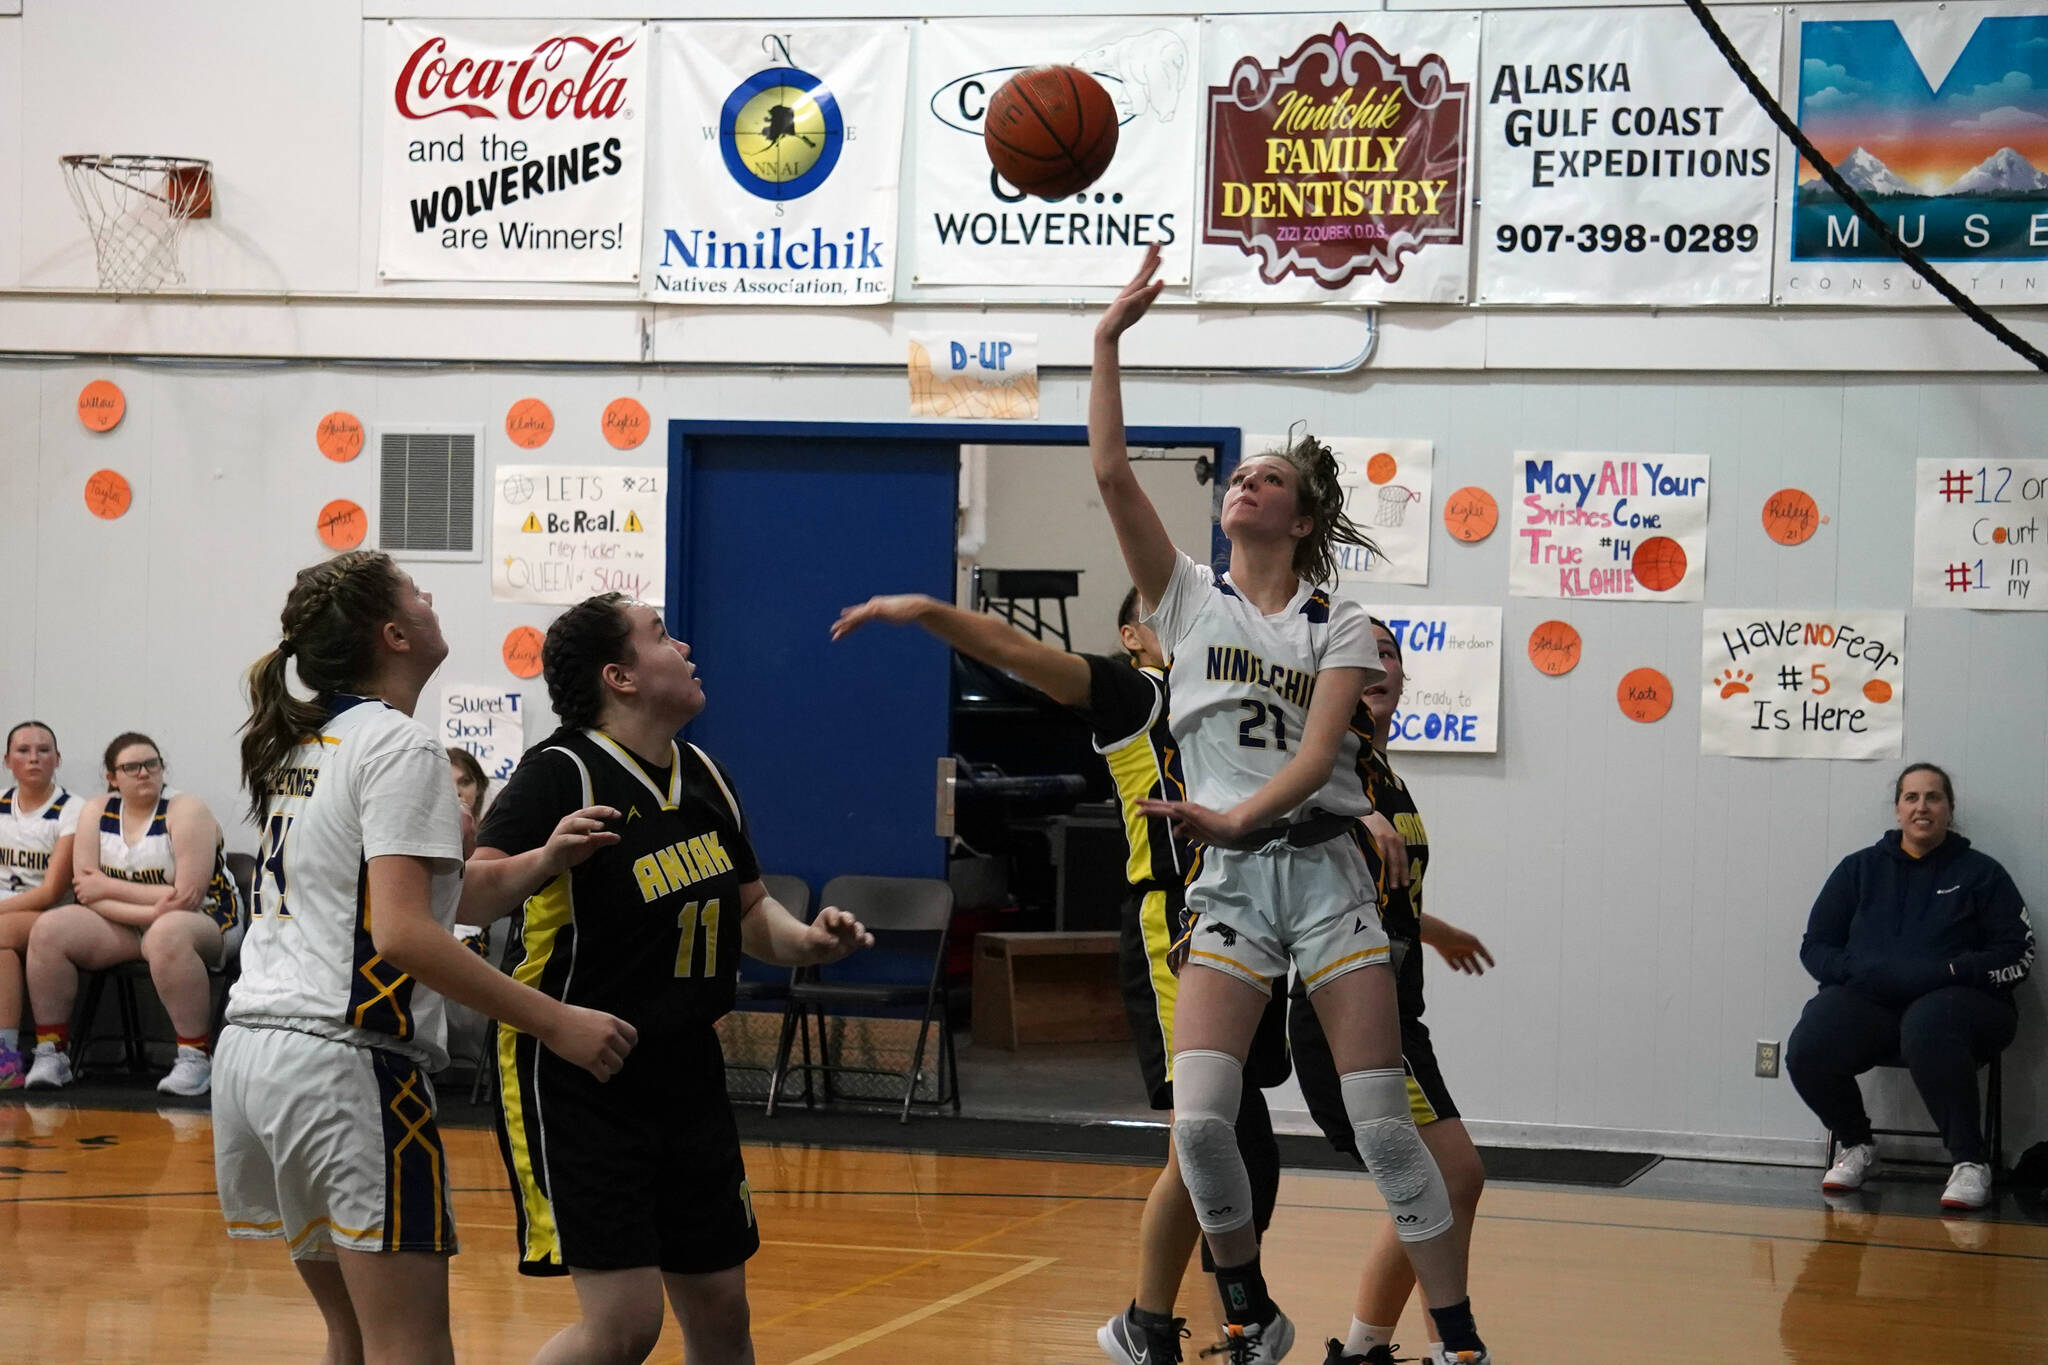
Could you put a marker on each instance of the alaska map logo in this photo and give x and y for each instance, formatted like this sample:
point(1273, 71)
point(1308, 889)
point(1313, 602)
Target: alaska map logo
point(781, 133)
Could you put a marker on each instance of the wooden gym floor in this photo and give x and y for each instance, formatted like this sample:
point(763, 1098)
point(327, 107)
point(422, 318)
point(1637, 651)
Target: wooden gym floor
point(116, 1253)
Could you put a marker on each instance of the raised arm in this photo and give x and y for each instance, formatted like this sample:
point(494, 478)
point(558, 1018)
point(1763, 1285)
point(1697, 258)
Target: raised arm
point(978, 635)
point(1148, 550)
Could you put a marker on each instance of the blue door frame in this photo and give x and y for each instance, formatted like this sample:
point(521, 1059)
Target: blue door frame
point(1227, 442)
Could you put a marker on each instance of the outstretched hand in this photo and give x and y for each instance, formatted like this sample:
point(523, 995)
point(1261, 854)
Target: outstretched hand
point(835, 934)
point(1190, 821)
point(580, 834)
point(902, 609)
point(1130, 304)
point(1461, 949)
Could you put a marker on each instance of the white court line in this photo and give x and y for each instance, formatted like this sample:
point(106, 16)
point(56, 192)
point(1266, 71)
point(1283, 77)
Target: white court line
point(1036, 1263)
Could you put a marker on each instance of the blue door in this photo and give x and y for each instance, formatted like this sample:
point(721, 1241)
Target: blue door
point(834, 748)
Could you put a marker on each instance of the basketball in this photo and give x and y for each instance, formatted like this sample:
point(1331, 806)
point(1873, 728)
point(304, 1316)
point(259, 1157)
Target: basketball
point(1050, 131)
point(1659, 563)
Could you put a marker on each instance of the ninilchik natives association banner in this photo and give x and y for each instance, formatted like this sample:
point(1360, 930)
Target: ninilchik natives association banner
point(781, 148)
point(1338, 163)
point(975, 228)
point(1938, 115)
point(512, 151)
point(1792, 684)
point(1622, 161)
point(1594, 525)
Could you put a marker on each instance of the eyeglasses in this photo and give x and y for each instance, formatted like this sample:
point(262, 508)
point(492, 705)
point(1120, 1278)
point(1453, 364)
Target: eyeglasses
point(142, 769)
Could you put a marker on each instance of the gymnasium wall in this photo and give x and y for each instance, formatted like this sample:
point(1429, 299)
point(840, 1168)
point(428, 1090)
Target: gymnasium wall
point(1645, 903)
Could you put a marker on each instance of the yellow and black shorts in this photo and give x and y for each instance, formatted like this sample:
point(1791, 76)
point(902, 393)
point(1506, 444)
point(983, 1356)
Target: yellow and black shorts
point(640, 1170)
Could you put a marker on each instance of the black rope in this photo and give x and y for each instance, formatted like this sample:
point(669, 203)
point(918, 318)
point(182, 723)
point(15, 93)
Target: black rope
point(1856, 201)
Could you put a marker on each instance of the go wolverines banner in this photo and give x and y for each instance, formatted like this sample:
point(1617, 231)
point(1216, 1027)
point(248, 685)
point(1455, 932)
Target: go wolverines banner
point(1338, 166)
point(971, 227)
point(778, 161)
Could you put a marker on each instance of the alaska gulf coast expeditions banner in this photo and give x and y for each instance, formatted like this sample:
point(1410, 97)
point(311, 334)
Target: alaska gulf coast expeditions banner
point(1938, 114)
point(970, 227)
point(781, 148)
point(1623, 161)
point(1338, 162)
point(512, 151)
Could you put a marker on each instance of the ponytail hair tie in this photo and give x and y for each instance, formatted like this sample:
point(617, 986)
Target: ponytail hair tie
point(284, 649)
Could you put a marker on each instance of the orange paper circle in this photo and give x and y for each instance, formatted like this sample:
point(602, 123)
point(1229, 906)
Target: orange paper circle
point(529, 424)
point(1381, 467)
point(339, 436)
point(107, 494)
point(1790, 516)
point(522, 651)
point(1644, 695)
point(342, 525)
point(101, 405)
point(1659, 563)
point(625, 423)
point(1878, 690)
point(1470, 514)
point(1554, 648)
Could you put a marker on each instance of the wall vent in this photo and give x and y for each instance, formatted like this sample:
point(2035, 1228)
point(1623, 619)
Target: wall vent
point(430, 488)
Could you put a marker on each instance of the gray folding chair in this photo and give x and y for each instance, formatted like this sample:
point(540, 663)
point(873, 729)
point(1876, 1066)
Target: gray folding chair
point(903, 974)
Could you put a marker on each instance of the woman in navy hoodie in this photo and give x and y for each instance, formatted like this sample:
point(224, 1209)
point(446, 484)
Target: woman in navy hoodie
point(1917, 942)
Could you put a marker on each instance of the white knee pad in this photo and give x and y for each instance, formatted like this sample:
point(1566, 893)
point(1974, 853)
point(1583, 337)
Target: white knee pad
point(1206, 1089)
point(1377, 1104)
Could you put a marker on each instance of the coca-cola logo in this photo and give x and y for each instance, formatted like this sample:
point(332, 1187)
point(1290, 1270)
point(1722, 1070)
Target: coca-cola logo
point(568, 77)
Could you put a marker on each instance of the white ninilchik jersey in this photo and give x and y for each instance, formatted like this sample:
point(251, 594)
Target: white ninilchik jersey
point(1241, 681)
point(152, 860)
point(374, 783)
point(29, 836)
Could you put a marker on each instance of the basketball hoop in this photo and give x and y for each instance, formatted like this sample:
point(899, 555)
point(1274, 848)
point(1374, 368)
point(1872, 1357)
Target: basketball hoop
point(136, 208)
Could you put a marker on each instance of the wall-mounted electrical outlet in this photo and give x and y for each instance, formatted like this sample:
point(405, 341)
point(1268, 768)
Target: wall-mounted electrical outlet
point(1767, 1060)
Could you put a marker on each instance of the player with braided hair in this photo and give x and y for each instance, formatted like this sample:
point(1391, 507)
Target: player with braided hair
point(323, 1118)
point(1267, 670)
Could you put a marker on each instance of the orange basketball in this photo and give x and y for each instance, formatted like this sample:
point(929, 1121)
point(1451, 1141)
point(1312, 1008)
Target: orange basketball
point(1050, 130)
point(1878, 690)
point(1659, 563)
point(1381, 468)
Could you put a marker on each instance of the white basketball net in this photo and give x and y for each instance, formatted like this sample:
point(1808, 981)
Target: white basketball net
point(136, 208)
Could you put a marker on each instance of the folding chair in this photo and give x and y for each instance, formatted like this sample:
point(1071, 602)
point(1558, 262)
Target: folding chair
point(125, 976)
point(1994, 1121)
point(904, 972)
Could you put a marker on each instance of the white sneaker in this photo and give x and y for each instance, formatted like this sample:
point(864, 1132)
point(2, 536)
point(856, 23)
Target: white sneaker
point(1854, 1166)
point(50, 1068)
point(192, 1074)
point(1969, 1186)
point(1439, 1356)
point(1255, 1344)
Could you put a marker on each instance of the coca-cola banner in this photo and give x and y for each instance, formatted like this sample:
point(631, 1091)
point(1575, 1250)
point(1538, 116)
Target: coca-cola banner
point(1938, 115)
point(512, 151)
point(1338, 166)
point(781, 145)
point(1622, 160)
point(973, 227)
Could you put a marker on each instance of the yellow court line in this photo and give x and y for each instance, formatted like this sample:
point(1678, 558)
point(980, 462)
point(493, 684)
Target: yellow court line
point(975, 1291)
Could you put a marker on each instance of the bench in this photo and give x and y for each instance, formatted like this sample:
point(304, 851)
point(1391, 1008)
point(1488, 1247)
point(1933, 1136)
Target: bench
point(1047, 988)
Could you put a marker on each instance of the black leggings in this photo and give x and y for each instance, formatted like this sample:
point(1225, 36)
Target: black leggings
point(1943, 1037)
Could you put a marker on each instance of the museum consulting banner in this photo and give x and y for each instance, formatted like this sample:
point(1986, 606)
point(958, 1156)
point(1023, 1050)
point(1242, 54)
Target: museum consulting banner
point(1938, 115)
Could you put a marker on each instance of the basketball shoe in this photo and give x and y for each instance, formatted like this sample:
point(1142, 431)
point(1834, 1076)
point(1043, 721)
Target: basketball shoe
point(191, 1074)
point(12, 1068)
point(48, 1067)
point(1130, 1342)
point(1382, 1354)
point(1255, 1343)
point(1969, 1186)
point(1854, 1166)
